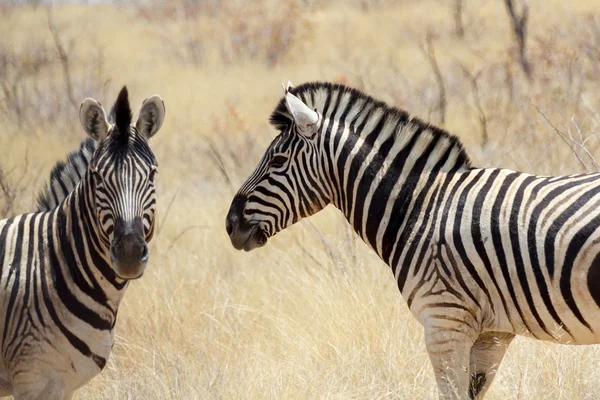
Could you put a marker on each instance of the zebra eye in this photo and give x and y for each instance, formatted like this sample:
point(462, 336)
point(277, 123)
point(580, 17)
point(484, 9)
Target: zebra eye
point(278, 161)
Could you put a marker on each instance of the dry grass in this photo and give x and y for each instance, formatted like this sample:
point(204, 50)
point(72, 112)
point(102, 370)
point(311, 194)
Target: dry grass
point(315, 314)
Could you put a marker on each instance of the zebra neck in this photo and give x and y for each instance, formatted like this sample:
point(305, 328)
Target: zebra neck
point(382, 172)
point(82, 253)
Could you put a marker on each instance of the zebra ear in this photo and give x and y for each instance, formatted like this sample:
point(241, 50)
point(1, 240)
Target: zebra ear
point(287, 88)
point(93, 119)
point(303, 116)
point(151, 116)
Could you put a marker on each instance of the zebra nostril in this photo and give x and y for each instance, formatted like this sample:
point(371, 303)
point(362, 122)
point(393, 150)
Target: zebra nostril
point(145, 254)
point(229, 226)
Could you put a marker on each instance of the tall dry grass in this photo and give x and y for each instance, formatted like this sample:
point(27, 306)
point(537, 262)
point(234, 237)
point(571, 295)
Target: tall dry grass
point(314, 314)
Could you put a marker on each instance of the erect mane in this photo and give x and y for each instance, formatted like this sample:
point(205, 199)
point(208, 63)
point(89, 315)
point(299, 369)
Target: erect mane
point(121, 139)
point(319, 95)
point(65, 176)
point(122, 117)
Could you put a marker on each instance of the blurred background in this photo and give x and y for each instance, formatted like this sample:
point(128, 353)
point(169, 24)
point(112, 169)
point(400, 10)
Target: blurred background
point(314, 314)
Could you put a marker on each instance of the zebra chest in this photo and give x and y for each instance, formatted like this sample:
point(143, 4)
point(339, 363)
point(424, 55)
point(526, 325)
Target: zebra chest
point(48, 351)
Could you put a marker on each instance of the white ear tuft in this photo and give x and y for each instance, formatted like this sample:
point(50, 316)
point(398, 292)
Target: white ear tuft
point(284, 89)
point(289, 86)
point(152, 115)
point(93, 119)
point(303, 116)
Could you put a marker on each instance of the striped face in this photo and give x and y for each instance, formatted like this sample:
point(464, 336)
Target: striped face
point(287, 185)
point(125, 197)
point(123, 169)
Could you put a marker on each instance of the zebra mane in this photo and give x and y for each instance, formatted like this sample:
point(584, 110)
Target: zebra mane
point(65, 176)
point(318, 95)
point(121, 111)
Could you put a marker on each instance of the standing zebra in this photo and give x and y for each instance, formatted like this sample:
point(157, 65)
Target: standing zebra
point(479, 254)
point(64, 271)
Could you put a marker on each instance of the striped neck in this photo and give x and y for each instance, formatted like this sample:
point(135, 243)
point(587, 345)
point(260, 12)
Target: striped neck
point(378, 161)
point(83, 250)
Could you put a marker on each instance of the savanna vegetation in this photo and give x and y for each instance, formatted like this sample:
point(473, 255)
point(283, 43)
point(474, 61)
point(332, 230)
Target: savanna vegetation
point(315, 313)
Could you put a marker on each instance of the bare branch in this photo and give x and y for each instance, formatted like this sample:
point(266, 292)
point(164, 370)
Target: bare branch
point(519, 25)
point(217, 159)
point(458, 19)
point(164, 218)
point(483, 120)
point(563, 136)
point(64, 58)
point(429, 52)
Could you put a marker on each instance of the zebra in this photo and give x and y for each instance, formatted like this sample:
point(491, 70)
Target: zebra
point(64, 270)
point(479, 254)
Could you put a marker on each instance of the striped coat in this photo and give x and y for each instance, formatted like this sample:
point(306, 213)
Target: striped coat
point(479, 254)
point(64, 270)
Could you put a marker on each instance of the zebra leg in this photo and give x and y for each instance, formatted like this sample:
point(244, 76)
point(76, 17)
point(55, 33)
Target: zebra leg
point(449, 349)
point(486, 355)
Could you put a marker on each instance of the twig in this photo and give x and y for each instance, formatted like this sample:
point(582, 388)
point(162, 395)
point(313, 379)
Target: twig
point(162, 221)
point(562, 136)
point(215, 155)
point(313, 258)
point(64, 58)
point(483, 120)
point(519, 25)
point(458, 21)
point(184, 232)
point(429, 52)
point(323, 241)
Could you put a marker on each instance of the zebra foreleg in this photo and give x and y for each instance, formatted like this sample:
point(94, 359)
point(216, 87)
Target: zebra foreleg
point(449, 351)
point(486, 355)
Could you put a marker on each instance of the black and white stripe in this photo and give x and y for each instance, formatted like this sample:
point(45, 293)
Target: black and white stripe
point(479, 254)
point(65, 176)
point(60, 268)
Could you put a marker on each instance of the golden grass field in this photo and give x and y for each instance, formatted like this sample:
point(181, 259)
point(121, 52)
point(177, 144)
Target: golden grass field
point(315, 313)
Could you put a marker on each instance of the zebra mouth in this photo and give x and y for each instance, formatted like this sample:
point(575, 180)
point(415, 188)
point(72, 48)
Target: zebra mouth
point(250, 239)
point(128, 272)
point(131, 279)
point(129, 262)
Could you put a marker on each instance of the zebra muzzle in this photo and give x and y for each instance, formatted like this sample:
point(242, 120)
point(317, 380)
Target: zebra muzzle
point(244, 235)
point(129, 252)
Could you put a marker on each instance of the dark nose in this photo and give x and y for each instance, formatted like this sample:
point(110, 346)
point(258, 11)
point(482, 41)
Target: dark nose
point(232, 222)
point(129, 246)
point(130, 250)
point(229, 224)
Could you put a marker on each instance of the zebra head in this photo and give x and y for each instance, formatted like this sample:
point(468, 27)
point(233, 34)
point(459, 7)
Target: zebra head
point(287, 184)
point(122, 172)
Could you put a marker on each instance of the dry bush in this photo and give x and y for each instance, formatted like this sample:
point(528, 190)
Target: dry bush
point(13, 183)
point(235, 30)
point(40, 87)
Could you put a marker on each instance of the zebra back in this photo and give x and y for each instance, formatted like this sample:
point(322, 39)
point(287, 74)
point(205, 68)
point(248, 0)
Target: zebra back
point(65, 176)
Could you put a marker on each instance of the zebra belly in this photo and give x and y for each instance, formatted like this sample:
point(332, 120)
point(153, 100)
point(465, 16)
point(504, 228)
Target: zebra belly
point(560, 310)
point(564, 307)
point(522, 253)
